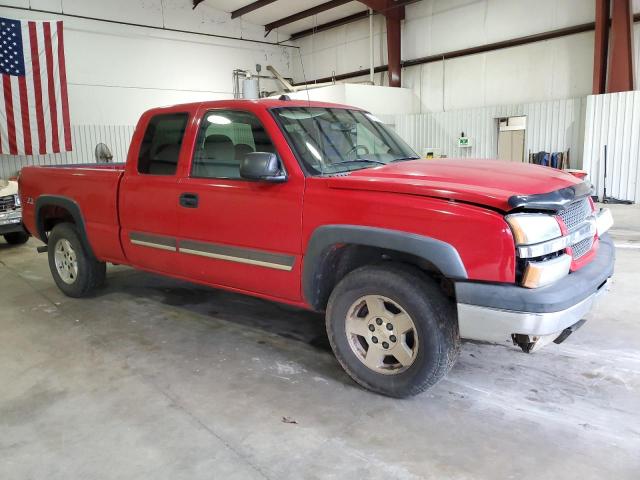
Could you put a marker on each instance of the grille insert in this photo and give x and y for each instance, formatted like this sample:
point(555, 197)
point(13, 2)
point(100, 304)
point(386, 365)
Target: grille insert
point(575, 214)
point(582, 247)
point(7, 203)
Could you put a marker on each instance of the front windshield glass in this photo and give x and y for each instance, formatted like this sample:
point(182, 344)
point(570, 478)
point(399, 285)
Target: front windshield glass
point(336, 140)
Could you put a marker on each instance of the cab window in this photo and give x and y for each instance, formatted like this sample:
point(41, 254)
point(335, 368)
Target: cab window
point(224, 138)
point(160, 147)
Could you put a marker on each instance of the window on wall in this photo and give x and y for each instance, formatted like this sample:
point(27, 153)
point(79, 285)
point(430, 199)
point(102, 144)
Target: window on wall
point(160, 147)
point(224, 138)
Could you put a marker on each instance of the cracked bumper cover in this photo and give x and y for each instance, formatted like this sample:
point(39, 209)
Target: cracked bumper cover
point(493, 313)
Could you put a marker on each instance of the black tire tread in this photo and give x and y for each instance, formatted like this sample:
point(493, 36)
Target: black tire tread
point(91, 271)
point(421, 286)
point(16, 238)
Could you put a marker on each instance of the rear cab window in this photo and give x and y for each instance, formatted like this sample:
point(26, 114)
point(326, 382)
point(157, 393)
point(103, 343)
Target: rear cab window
point(160, 147)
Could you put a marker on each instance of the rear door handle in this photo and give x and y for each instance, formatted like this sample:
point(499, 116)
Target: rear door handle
point(189, 200)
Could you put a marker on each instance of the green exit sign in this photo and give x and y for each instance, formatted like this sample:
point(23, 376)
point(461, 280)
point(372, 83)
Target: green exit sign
point(464, 142)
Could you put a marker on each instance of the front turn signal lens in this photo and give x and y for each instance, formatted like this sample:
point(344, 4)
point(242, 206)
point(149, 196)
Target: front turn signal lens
point(546, 272)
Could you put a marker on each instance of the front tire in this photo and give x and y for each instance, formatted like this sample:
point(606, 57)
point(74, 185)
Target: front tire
point(76, 272)
point(16, 238)
point(392, 329)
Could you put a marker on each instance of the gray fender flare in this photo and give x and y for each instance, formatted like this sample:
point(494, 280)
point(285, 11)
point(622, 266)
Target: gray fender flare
point(69, 205)
point(326, 238)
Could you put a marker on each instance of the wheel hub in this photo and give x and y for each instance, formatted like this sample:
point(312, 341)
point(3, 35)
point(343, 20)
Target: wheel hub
point(381, 334)
point(66, 261)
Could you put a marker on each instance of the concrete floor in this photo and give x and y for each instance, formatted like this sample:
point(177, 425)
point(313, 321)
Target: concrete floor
point(155, 378)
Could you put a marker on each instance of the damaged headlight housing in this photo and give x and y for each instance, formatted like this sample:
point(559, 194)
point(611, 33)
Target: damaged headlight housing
point(537, 238)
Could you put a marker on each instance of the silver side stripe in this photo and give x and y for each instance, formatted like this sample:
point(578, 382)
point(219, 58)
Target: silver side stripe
point(153, 245)
point(221, 252)
point(239, 255)
point(153, 241)
point(237, 259)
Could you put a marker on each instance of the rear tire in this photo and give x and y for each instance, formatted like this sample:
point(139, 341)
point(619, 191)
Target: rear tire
point(16, 238)
point(392, 329)
point(76, 272)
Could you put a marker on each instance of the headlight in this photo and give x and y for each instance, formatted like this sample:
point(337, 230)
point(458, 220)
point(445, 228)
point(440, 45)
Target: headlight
point(17, 200)
point(530, 228)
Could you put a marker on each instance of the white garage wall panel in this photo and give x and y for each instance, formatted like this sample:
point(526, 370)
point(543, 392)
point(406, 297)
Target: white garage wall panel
point(551, 126)
point(115, 72)
point(613, 120)
point(84, 139)
point(548, 70)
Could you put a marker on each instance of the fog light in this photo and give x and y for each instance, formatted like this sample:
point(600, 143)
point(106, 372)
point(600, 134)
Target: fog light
point(539, 274)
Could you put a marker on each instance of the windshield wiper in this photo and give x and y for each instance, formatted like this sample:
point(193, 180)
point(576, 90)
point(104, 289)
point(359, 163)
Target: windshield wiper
point(360, 160)
point(404, 159)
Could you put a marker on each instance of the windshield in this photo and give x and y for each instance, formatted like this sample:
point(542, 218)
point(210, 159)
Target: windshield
point(335, 140)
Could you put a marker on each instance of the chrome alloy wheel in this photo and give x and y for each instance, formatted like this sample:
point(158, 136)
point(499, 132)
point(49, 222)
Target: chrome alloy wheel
point(381, 334)
point(66, 261)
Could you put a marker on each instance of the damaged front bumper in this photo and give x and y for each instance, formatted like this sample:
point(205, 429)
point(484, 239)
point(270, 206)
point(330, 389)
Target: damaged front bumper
point(534, 317)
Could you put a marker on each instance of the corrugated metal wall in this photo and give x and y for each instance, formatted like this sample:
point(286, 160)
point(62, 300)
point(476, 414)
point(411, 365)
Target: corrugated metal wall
point(84, 138)
point(614, 120)
point(551, 126)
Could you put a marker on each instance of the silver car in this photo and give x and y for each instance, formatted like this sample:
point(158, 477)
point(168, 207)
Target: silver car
point(11, 214)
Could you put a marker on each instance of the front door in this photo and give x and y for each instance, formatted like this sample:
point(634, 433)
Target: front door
point(240, 234)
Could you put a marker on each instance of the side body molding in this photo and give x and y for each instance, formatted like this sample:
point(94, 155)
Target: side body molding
point(68, 204)
point(327, 238)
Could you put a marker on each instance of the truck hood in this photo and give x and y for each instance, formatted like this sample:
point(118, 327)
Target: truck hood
point(8, 187)
point(484, 182)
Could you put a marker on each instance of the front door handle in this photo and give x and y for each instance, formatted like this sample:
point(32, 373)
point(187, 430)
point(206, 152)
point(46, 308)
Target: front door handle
point(189, 200)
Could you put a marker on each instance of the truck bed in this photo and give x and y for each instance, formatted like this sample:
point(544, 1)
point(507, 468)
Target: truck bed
point(92, 187)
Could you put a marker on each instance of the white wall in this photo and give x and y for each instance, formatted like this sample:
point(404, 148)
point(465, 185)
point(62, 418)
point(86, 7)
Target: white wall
point(373, 98)
point(115, 72)
point(553, 69)
point(613, 120)
point(552, 126)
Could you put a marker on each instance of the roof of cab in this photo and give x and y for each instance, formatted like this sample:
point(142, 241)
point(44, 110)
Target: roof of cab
point(265, 103)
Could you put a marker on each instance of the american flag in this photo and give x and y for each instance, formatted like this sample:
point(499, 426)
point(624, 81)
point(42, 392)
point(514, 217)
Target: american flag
point(34, 106)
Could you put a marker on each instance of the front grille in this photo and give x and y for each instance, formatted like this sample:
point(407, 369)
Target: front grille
point(7, 203)
point(575, 214)
point(582, 247)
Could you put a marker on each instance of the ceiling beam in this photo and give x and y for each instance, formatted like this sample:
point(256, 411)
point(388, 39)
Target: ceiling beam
point(250, 8)
point(620, 71)
point(393, 12)
point(603, 7)
point(329, 25)
point(323, 7)
point(342, 21)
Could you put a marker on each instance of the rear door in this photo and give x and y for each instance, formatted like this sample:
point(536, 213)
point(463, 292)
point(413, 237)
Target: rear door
point(149, 194)
point(241, 234)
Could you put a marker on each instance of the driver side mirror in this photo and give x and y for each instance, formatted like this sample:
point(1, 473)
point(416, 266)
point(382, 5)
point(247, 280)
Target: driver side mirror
point(262, 166)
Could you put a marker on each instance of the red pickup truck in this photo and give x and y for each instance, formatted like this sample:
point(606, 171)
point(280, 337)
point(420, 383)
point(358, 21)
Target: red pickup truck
point(323, 207)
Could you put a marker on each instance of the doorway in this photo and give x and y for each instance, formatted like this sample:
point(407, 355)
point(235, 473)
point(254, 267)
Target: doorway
point(511, 136)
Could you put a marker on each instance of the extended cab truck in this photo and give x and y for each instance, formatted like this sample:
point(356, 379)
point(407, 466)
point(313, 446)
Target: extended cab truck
point(11, 214)
point(322, 206)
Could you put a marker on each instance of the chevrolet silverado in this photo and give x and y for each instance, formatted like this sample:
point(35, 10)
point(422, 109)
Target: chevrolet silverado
point(324, 207)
